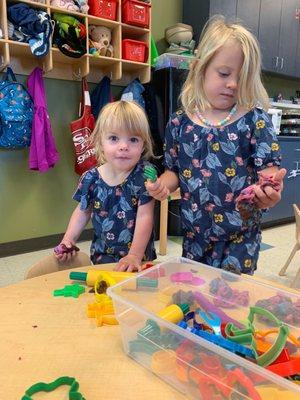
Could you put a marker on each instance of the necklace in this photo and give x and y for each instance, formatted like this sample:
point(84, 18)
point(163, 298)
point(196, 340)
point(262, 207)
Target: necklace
point(217, 124)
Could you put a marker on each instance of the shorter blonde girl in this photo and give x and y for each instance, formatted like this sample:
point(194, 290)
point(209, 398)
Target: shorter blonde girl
point(216, 33)
point(122, 116)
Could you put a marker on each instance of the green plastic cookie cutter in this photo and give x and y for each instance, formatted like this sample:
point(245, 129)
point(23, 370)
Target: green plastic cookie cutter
point(150, 173)
point(74, 394)
point(70, 291)
point(283, 332)
point(241, 336)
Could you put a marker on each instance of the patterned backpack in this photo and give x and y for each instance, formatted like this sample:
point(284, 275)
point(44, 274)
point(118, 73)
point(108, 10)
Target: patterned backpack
point(16, 113)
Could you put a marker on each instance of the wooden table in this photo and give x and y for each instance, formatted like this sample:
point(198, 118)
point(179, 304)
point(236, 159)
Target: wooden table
point(43, 337)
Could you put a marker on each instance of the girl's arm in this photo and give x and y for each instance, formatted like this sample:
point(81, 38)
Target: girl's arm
point(269, 197)
point(167, 183)
point(77, 223)
point(142, 233)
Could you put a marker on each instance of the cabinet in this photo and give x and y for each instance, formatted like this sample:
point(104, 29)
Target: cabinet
point(278, 35)
point(57, 65)
point(275, 23)
point(283, 211)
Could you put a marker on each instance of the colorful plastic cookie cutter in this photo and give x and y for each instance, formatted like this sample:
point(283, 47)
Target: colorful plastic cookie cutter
point(287, 368)
point(164, 362)
point(186, 277)
point(103, 313)
point(263, 334)
point(150, 173)
point(242, 336)
point(214, 321)
point(103, 282)
point(70, 291)
point(74, 394)
point(210, 307)
point(271, 355)
point(226, 344)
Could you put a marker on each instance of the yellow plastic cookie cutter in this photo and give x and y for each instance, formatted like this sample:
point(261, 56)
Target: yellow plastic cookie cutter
point(103, 281)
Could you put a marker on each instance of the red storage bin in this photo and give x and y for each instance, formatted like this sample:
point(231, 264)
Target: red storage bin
point(103, 8)
point(134, 50)
point(136, 13)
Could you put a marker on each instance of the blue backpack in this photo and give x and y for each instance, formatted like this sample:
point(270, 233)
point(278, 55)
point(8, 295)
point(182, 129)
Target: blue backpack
point(16, 113)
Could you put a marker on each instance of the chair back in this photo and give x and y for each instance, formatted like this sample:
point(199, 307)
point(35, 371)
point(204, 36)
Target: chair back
point(297, 217)
point(50, 264)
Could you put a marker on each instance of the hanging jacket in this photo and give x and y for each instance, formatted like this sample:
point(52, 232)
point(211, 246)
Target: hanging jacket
point(134, 92)
point(100, 96)
point(42, 154)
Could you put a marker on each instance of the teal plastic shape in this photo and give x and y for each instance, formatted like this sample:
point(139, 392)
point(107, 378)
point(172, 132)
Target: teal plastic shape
point(70, 291)
point(150, 173)
point(74, 393)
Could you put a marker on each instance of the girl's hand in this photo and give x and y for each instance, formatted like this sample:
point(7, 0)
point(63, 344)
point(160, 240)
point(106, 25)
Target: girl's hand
point(62, 255)
point(129, 263)
point(157, 190)
point(269, 197)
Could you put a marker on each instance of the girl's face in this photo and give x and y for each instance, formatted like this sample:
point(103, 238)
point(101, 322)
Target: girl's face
point(222, 76)
point(122, 150)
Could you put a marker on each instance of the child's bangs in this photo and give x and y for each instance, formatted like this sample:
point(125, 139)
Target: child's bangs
point(124, 120)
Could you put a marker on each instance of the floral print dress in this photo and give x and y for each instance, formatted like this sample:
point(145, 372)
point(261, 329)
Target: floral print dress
point(214, 165)
point(114, 210)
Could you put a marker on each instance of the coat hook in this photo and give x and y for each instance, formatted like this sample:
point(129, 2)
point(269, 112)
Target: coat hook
point(77, 75)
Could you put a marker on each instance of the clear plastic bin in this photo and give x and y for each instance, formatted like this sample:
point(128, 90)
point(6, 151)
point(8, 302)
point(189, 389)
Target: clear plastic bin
point(195, 366)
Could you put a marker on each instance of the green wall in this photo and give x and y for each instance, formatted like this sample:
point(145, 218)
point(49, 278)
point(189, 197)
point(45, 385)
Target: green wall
point(33, 204)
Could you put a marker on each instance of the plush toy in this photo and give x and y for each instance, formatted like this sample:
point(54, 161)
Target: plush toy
point(84, 8)
point(180, 38)
point(66, 4)
point(71, 5)
point(100, 38)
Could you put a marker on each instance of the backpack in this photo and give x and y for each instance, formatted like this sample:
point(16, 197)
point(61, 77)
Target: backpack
point(16, 113)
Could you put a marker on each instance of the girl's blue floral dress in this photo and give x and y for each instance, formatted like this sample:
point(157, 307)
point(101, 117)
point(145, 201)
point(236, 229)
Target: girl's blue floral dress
point(214, 165)
point(114, 210)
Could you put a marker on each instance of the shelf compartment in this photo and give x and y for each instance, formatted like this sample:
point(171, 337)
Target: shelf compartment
point(105, 66)
point(132, 70)
point(4, 55)
point(33, 4)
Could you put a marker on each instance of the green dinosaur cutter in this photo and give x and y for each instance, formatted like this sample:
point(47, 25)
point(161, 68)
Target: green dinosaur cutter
point(70, 291)
point(150, 173)
point(74, 394)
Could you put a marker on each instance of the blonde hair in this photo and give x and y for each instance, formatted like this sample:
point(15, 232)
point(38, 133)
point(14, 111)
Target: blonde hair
point(122, 115)
point(216, 33)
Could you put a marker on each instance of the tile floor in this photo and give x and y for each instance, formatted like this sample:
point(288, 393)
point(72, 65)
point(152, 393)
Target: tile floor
point(280, 240)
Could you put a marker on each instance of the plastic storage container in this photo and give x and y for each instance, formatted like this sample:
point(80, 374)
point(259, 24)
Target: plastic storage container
point(197, 367)
point(134, 50)
point(136, 13)
point(103, 8)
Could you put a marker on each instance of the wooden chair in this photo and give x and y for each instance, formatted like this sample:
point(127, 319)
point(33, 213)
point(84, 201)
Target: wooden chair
point(50, 264)
point(163, 225)
point(295, 249)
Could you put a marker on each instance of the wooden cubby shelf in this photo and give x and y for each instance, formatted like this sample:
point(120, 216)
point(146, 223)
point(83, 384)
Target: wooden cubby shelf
point(56, 65)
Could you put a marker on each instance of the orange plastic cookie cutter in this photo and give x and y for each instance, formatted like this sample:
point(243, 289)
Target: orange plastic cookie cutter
point(163, 362)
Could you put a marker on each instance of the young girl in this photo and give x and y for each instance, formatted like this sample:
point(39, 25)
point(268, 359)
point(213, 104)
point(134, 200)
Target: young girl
point(114, 195)
point(219, 145)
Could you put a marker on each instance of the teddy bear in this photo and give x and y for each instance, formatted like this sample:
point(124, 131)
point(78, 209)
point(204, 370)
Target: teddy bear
point(100, 38)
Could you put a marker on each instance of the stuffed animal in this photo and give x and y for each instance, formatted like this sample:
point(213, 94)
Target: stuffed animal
point(180, 38)
point(100, 38)
point(84, 8)
point(66, 4)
